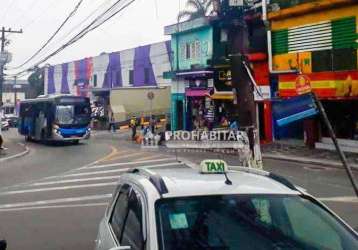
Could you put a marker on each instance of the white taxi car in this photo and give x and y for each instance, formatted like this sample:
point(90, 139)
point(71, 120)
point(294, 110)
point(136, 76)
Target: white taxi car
point(217, 208)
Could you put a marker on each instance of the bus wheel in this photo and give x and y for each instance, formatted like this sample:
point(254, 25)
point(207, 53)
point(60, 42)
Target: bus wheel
point(27, 138)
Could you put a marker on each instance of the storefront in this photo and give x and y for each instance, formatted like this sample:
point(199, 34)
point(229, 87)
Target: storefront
point(338, 92)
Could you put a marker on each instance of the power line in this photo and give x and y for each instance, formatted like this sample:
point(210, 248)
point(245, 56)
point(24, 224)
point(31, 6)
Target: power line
point(92, 26)
point(63, 37)
point(73, 12)
point(79, 24)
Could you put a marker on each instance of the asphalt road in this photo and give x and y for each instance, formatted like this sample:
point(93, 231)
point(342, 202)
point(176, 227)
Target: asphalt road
point(54, 197)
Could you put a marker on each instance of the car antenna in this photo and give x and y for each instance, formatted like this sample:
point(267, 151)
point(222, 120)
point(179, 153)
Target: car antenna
point(227, 181)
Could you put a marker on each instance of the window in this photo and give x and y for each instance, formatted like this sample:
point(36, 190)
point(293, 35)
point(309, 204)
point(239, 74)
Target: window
point(187, 48)
point(197, 49)
point(120, 212)
point(344, 59)
point(132, 232)
point(193, 54)
point(146, 75)
point(118, 76)
point(321, 61)
point(131, 77)
point(334, 60)
point(249, 222)
point(95, 80)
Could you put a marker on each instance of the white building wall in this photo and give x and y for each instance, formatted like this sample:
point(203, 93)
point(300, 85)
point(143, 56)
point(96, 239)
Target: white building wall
point(160, 61)
point(100, 64)
point(127, 64)
point(71, 76)
point(58, 78)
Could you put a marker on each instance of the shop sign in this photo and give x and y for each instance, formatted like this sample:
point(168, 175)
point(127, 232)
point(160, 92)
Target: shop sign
point(262, 93)
point(303, 85)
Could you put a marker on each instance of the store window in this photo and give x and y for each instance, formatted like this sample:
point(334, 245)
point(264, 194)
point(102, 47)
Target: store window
point(344, 59)
point(321, 61)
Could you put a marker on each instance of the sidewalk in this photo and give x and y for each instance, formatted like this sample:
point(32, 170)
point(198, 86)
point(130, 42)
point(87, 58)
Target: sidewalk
point(14, 150)
point(297, 152)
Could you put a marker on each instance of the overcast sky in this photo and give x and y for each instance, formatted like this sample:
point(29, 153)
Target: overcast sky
point(140, 24)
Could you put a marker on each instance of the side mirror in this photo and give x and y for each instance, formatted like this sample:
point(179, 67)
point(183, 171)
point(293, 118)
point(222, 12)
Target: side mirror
point(119, 248)
point(3, 244)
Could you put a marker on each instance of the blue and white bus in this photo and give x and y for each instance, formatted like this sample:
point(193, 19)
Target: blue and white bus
point(55, 118)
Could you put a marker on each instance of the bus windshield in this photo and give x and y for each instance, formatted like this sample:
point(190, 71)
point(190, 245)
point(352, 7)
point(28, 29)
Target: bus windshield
point(72, 114)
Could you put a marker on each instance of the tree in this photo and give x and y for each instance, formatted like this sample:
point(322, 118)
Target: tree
point(196, 9)
point(36, 83)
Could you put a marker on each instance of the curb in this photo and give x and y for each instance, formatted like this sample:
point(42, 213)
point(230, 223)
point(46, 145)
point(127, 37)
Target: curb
point(331, 164)
point(25, 152)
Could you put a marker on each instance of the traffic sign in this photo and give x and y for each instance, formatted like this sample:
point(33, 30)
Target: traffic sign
point(150, 95)
point(5, 57)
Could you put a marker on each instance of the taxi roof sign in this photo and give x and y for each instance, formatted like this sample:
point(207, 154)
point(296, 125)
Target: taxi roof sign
point(213, 167)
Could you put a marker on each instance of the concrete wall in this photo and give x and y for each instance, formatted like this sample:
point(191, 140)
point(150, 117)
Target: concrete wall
point(126, 102)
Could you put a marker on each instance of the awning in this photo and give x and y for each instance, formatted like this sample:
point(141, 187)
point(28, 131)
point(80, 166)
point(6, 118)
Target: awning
point(197, 73)
point(222, 96)
point(196, 92)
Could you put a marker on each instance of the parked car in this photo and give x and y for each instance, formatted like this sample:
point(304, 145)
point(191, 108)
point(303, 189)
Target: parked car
point(4, 124)
point(214, 206)
point(12, 120)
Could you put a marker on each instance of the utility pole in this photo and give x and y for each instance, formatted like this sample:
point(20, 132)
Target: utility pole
point(232, 13)
point(4, 59)
point(15, 91)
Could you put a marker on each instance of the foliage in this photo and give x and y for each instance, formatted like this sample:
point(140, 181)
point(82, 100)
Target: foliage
point(196, 9)
point(36, 83)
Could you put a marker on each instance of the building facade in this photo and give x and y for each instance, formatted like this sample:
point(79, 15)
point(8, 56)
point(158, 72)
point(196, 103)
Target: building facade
point(99, 77)
point(202, 74)
point(13, 93)
point(315, 42)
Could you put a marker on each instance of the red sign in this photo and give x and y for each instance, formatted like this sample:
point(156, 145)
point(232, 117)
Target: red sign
point(303, 85)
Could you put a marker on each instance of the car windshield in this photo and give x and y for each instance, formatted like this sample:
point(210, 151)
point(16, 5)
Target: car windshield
point(249, 222)
point(72, 114)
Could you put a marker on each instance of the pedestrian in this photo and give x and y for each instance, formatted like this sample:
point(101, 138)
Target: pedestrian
point(133, 125)
point(112, 123)
point(142, 121)
point(152, 124)
point(210, 118)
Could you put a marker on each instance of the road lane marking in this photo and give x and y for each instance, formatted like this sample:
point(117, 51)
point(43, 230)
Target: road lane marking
point(113, 152)
point(350, 199)
point(119, 157)
point(58, 188)
point(91, 173)
point(151, 157)
point(114, 177)
point(131, 163)
point(100, 204)
point(57, 201)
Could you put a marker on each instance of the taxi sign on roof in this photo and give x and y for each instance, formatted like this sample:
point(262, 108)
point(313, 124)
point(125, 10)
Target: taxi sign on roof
point(213, 167)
